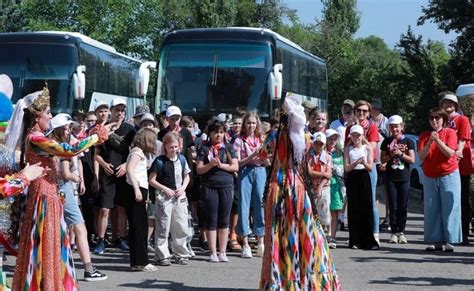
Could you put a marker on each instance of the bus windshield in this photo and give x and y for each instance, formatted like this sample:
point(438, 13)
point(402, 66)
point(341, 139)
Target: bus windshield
point(30, 65)
point(215, 77)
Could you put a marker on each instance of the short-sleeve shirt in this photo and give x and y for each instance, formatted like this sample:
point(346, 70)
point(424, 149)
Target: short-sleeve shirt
point(340, 126)
point(116, 149)
point(185, 134)
point(398, 169)
point(172, 174)
point(140, 170)
point(462, 126)
point(436, 164)
point(246, 146)
point(216, 177)
point(320, 163)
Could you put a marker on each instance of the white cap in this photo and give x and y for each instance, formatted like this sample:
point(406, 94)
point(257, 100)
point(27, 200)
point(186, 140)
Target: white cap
point(318, 136)
point(330, 132)
point(395, 119)
point(118, 101)
point(222, 117)
point(357, 129)
point(149, 117)
point(173, 110)
point(101, 104)
point(450, 97)
point(59, 120)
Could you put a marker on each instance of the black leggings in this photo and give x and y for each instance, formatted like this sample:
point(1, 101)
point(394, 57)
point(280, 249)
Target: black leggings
point(138, 227)
point(217, 203)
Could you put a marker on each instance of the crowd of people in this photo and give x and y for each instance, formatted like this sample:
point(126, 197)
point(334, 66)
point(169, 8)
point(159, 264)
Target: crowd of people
point(149, 176)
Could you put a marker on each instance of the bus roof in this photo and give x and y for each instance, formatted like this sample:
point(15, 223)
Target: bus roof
point(251, 33)
point(64, 36)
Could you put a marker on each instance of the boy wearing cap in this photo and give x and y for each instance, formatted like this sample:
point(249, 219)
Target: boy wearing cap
point(112, 157)
point(398, 153)
point(340, 124)
point(462, 126)
point(320, 170)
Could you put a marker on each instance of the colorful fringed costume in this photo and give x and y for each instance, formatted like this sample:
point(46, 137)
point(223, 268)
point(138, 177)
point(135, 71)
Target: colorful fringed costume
point(44, 259)
point(296, 254)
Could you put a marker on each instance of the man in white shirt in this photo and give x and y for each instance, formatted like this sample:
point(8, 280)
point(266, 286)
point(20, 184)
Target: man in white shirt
point(340, 124)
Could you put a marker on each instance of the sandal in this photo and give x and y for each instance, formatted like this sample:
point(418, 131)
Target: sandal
point(234, 245)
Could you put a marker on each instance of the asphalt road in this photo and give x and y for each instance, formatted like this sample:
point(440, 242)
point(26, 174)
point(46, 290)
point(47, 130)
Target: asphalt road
point(393, 267)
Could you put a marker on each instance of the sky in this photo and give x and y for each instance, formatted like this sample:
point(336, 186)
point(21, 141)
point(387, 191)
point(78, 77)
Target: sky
point(387, 19)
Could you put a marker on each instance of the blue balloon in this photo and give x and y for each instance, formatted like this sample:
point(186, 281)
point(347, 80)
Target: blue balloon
point(6, 107)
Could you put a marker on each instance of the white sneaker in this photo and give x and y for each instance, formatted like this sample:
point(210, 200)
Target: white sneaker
point(246, 252)
point(402, 239)
point(213, 258)
point(393, 239)
point(150, 268)
point(260, 250)
point(223, 258)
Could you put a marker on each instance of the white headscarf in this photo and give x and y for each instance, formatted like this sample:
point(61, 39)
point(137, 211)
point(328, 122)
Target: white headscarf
point(296, 123)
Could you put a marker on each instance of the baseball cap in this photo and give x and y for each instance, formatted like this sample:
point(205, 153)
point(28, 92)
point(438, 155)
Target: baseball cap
point(330, 132)
point(450, 97)
point(101, 104)
point(308, 104)
point(395, 119)
point(59, 120)
point(357, 129)
point(149, 117)
point(78, 113)
point(222, 117)
point(318, 136)
point(173, 110)
point(348, 102)
point(118, 101)
point(140, 110)
point(376, 103)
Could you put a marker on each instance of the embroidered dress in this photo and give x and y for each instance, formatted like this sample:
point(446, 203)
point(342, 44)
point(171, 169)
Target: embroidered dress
point(296, 255)
point(44, 259)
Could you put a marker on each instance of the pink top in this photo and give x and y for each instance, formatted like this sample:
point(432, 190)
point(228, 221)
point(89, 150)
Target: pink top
point(246, 146)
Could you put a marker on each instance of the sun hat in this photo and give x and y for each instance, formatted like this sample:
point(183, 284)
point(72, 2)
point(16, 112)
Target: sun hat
point(318, 136)
point(330, 132)
point(173, 110)
point(61, 119)
point(348, 102)
point(118, 101)
point(149, 117)
point(140, 110)
point(395, 119)
point(357, 129)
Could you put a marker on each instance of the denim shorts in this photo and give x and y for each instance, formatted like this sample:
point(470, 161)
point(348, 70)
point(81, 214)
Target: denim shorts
point(72, 213)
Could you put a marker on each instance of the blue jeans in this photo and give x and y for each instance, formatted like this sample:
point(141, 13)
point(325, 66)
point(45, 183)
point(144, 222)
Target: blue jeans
point(72, 213)
point(373, 182)
point(250, 194)
point(442, 204)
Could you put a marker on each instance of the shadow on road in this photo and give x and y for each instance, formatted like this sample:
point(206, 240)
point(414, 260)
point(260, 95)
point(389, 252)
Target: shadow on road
point(170, 285)
point(424, 281)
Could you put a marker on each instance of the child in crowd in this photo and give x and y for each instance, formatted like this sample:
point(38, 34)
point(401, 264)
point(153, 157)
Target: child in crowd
point(320, 170)
point(234, 245)
point(144, 143)
point(251, 183)
point(217, 163)
point(170, 177)
point(338, 189)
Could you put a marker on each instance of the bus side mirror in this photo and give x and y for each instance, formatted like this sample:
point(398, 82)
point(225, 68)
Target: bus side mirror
point(144, 77)
point(275, 82)
point(79, 82)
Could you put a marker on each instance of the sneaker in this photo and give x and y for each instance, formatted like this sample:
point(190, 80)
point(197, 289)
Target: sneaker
point(122, 244)
point(163, 262)
point(393, 239)
point(223, 258)
point(355, 247)
point(448, 248)
point(246, 252)
point(213, 258)
point(99, 248)
point(377, 239)
point(260, 250)
point(384, 225)
point(204, 245)
point(94, 275)
point(402, 239)
point(332, 243)
point(434, 248)
point(342, 226)
point(179, 260)
point(150, 268)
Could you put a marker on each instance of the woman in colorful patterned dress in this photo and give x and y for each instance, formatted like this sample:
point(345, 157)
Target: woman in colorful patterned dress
point(296, 255)
point(44, 264)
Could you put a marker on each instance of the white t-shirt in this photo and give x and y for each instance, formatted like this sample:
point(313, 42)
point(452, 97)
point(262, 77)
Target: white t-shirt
point(140, 170)
point(340, 127)
point(357, 153)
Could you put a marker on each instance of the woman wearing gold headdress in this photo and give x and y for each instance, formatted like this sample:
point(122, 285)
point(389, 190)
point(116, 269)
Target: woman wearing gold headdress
point(44, 259)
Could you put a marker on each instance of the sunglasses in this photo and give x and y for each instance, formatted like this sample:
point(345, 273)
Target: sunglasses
point(437, 117)
point(91, 120)
point(362, 110)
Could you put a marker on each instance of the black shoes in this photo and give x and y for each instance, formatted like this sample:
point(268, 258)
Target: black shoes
point(94, 275)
